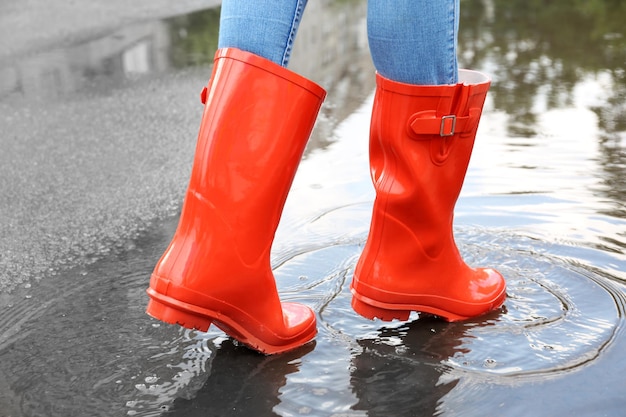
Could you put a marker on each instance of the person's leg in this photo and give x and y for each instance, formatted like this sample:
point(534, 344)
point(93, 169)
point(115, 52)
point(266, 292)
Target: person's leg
point(266, 28)
point(414, 41)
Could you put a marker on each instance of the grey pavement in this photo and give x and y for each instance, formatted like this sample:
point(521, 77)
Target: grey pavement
point(83, 173)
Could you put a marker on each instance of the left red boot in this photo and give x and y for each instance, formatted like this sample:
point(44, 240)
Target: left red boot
point(257, 119)
point(421, 139)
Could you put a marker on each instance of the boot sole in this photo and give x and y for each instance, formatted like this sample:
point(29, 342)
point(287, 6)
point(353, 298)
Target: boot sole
point(192, 317)
point(372, 309)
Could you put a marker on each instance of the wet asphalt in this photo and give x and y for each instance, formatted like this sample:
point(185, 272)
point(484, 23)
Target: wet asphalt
point(90, 160)
point(86, 164)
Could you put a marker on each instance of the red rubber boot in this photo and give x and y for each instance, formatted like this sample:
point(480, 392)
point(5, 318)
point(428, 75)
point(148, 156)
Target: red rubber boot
point(421, 139)
point(257, 119)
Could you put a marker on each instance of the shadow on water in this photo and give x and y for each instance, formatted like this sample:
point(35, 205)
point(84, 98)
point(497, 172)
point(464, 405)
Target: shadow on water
point(543, 202)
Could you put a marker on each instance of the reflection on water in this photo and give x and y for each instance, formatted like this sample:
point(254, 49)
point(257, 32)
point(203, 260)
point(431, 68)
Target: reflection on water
point(539, 51)
point(401, 363)
point(194, 38)
point(543, 202)
point(98, 64)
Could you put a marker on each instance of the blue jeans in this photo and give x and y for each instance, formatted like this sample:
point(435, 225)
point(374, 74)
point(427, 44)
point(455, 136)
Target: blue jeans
point(411, 41)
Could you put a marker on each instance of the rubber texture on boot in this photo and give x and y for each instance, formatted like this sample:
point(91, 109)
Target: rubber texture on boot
point(172, 311)
point(257, 119)
point(373, 309)
point(421, 141)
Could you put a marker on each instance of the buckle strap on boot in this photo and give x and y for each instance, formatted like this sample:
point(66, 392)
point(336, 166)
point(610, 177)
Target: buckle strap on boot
point(429, 123)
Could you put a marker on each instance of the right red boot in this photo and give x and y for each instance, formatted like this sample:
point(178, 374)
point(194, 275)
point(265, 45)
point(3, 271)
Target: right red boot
point(421, 140)
point(257, 119)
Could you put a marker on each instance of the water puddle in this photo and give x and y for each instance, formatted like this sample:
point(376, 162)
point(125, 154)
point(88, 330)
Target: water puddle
point(543, 203)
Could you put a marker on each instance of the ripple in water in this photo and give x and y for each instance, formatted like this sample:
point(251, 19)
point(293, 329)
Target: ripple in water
point(559, 316)
point(95, 343)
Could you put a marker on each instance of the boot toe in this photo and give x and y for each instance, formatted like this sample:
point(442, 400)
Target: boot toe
point(298, 316)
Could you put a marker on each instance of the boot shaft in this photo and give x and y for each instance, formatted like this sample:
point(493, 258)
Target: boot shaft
point(421, 140)
point(257, 119)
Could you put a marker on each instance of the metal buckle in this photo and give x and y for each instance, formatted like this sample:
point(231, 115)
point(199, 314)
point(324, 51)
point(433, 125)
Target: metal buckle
point(442, 129)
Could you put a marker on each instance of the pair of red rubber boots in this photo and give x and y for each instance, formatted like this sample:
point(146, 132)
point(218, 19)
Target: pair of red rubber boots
point(256, 122)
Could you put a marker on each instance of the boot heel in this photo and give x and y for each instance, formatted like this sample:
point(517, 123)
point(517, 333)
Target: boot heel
point(370, 312)
point(172, 315)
